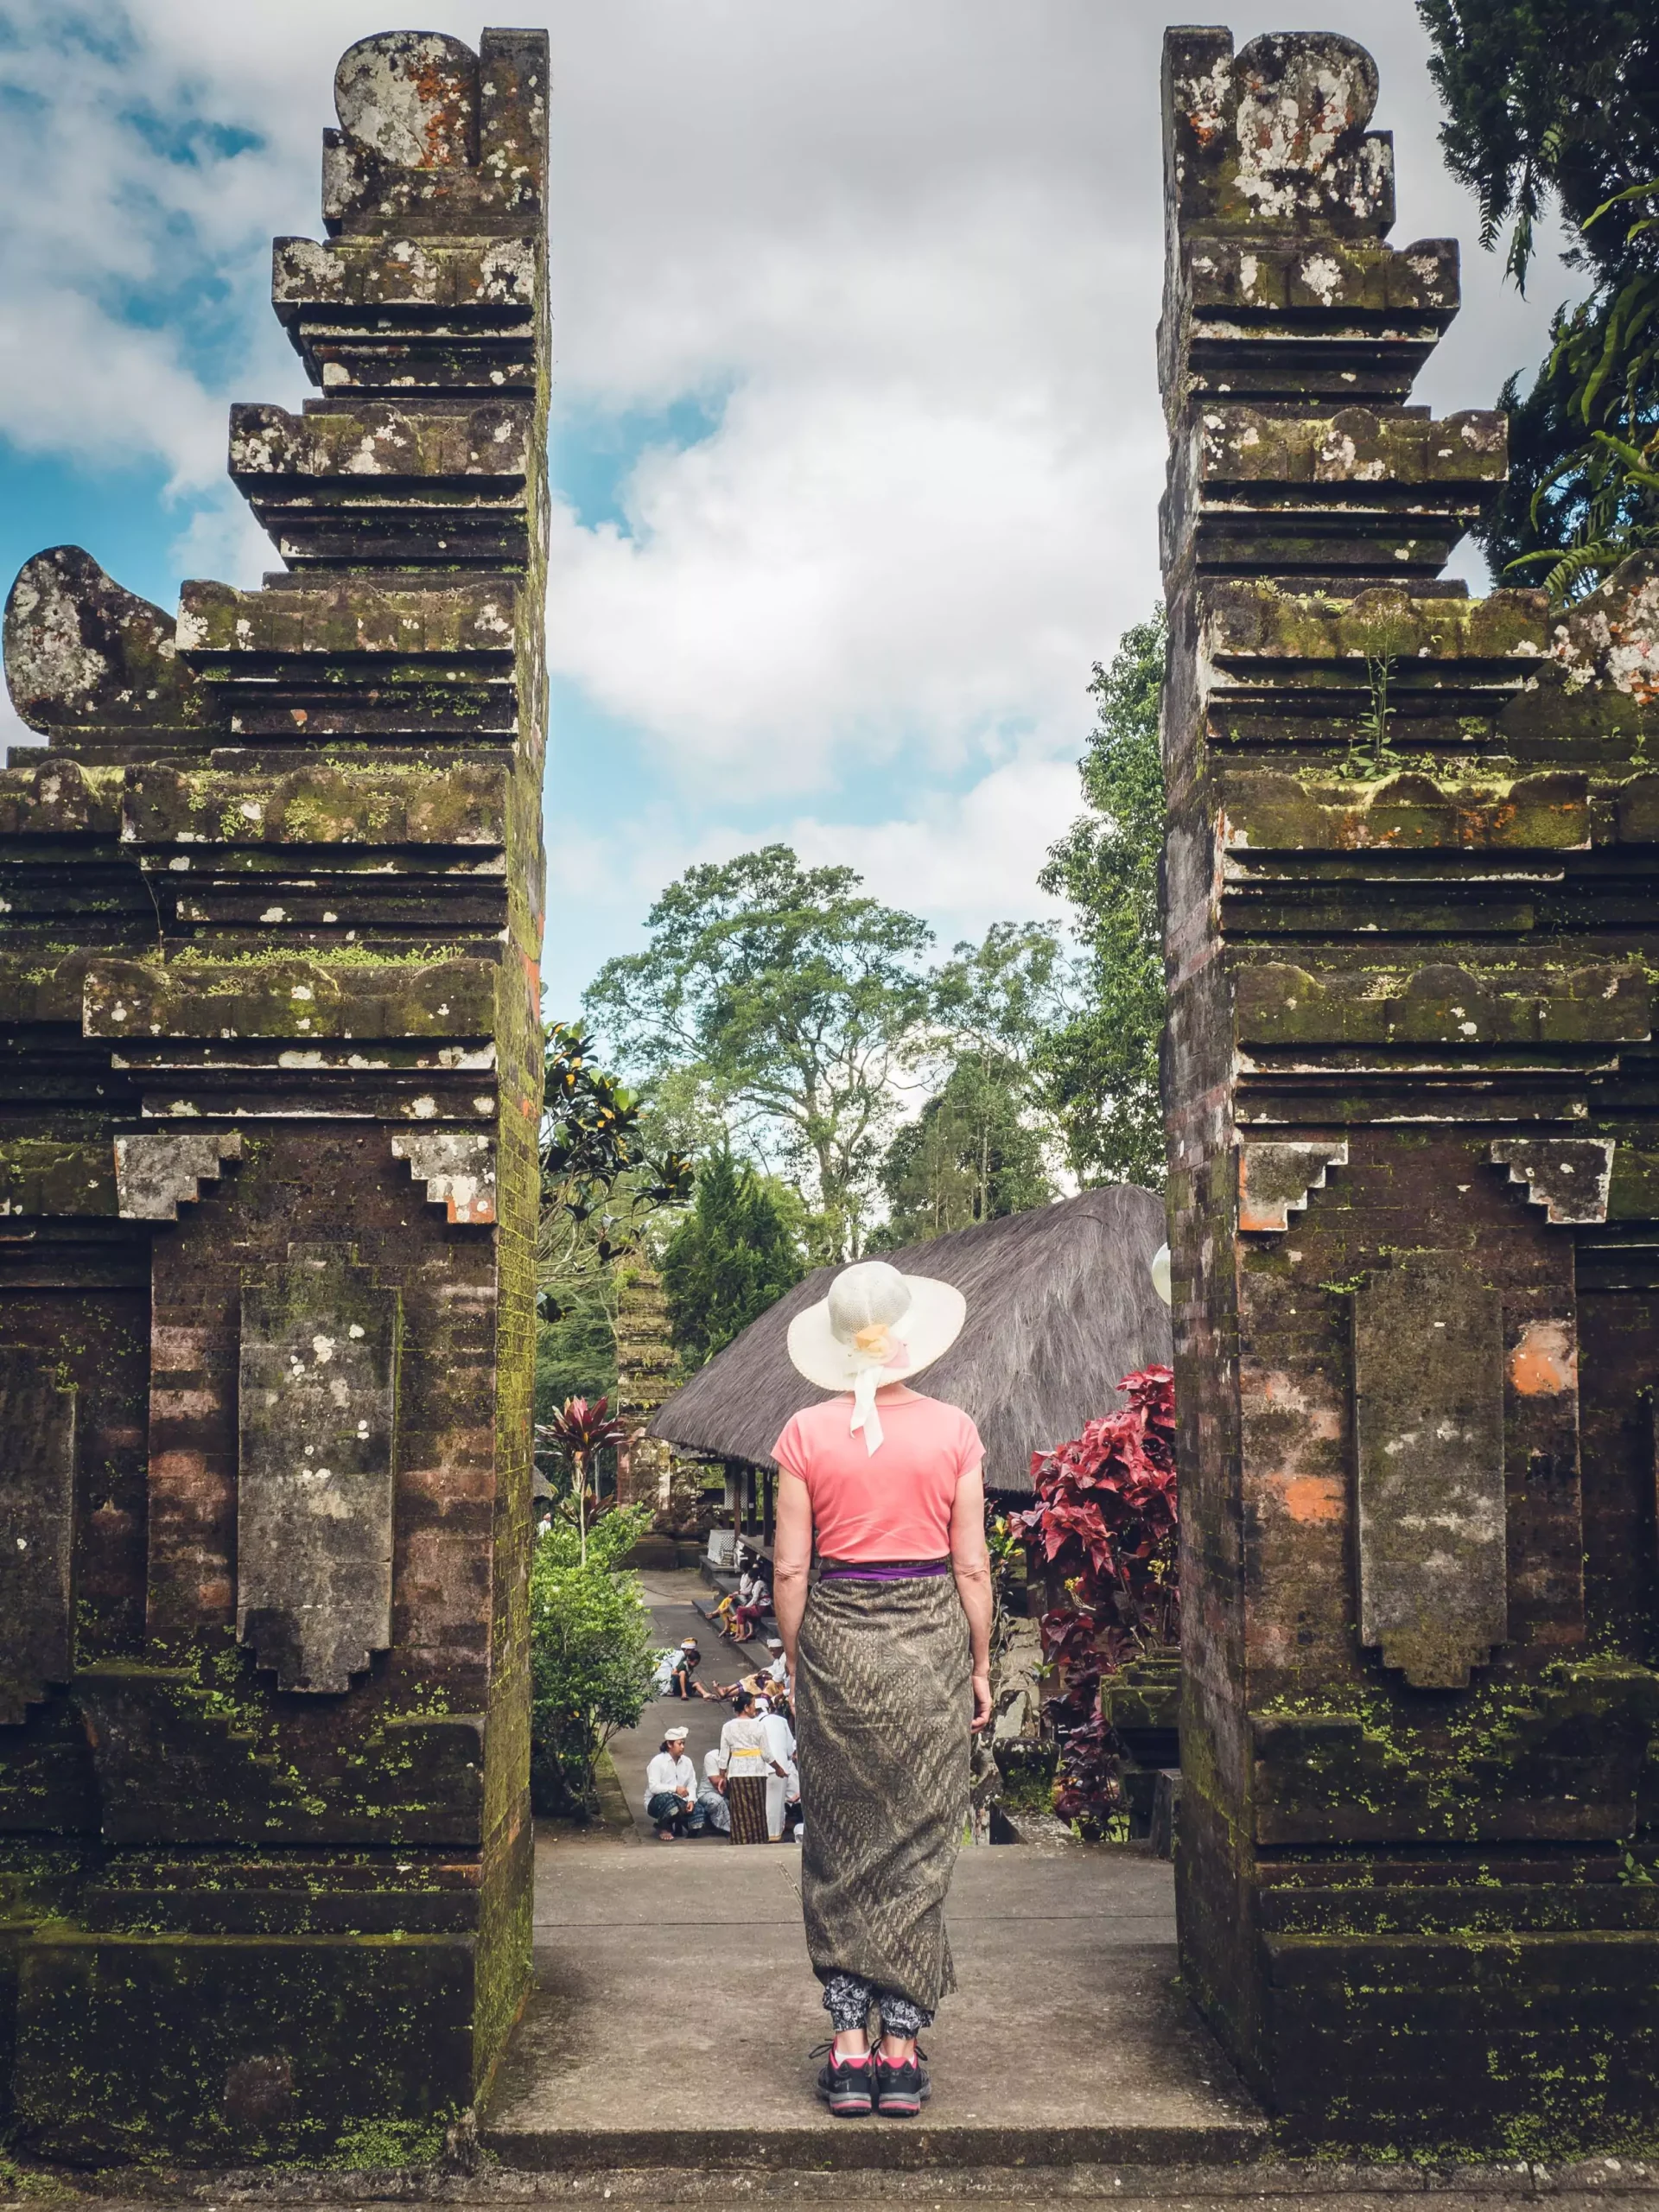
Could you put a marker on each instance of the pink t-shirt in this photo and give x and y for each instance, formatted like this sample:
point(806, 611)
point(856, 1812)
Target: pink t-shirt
point(895, 1504)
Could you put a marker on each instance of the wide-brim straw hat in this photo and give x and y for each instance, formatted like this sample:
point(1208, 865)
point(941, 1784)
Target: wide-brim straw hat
point(921, 1316)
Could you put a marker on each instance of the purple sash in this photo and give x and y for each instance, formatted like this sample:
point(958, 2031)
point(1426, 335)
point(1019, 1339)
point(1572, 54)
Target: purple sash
point(882, 1570)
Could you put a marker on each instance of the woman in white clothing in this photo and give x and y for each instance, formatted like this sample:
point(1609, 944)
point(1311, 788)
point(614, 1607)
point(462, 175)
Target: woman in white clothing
point(747, 1763)
point(672, 1788)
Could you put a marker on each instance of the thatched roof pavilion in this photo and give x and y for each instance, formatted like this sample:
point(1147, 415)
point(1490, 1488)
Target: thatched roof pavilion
point(1060, 1305)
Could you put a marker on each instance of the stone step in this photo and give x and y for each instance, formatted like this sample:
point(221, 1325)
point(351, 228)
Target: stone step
point(674, 2009)
point(849, 2146)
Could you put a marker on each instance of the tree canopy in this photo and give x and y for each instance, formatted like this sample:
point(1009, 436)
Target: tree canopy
point(609, 1166)
point(737, 1251)
point(1550, 101)
point(1003, 995)
point(795, 997)
point(1101, 1063)
point(974, 1154)
point(601, 1178)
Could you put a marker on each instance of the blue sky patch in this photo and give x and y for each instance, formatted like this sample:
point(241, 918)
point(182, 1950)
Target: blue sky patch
point(190, 141)
point(121, 517)
point(594, 450)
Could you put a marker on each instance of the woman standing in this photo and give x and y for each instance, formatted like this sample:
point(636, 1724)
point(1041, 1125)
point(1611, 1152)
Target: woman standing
point(890, 1653)
point(747, 1763)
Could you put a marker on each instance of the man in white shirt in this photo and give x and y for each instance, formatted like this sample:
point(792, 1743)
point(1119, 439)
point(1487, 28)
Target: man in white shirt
point(780, 1750)
point(712, 1808)
point(670, 1788)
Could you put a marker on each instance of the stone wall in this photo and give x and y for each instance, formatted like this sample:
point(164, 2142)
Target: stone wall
point(269, 1102)
point(1413, 1112)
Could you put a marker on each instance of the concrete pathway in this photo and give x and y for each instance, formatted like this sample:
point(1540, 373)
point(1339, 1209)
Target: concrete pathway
point(668, 1592)
point(674, 2009)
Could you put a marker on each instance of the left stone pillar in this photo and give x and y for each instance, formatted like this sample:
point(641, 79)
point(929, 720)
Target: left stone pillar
point(269, 1100)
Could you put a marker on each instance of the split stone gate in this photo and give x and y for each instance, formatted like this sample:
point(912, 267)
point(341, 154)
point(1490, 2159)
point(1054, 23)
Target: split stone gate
point(268, 1096)
point(1413, 939)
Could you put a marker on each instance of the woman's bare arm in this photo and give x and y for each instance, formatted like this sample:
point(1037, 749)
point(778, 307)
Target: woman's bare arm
point(971, 1565)
point(792, 1558)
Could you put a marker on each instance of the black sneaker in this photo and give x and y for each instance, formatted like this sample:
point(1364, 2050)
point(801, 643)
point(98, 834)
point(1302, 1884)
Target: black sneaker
point(901, 2091)
point(845, 2084)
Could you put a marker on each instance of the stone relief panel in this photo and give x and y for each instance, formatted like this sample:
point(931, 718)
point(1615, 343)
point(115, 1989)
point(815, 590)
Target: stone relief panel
point(458, 1168)
point(320, 1348)
point(1276, 1179)
point(155, 1175)
point(1428, 1411)
point(37, 1524)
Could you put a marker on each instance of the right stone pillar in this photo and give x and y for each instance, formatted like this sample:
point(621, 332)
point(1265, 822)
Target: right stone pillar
point(1412, 1100)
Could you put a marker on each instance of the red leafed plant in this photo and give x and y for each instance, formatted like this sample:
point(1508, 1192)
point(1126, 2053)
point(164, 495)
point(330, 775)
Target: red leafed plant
point(578, 1432)
point(1106, 1517)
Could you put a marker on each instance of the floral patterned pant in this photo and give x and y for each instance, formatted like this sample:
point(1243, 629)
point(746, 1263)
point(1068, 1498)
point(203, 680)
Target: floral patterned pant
point(848, 2001)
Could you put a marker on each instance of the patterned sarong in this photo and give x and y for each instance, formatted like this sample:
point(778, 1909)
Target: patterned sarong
point(883, 1704)
point(745, 1795)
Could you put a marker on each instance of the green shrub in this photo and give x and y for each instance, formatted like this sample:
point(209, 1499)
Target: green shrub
point(592, 1660)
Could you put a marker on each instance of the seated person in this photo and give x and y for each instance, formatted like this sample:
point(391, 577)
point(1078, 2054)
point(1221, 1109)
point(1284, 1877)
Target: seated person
point(687, 1660)
point(746, 1617)
point(672, 1788)
point(711, 1798)
point(733, 1601)
point(755, 1685)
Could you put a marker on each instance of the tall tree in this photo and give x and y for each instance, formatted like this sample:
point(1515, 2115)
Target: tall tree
point(795, 997)
point(1001, 998)
point(602, 1178)
point(736, 1252)
point(972, 1154)
point(609, 1167)
point(1553, 101)
point(1101, 1064)
point(978, 1149)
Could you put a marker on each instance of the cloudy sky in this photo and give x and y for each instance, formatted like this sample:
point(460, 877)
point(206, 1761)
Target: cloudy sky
point(857, 447)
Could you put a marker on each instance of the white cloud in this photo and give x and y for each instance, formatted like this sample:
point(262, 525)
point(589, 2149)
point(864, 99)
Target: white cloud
point(924, 247)
point(921, 248)
point(965, 861)
point(847, 573)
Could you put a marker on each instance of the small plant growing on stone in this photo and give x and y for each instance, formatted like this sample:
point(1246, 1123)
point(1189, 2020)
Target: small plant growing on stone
point(1383, 641)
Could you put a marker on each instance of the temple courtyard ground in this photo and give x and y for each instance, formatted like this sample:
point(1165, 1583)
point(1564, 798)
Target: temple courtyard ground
point(674, 2007)
point(674, 2011)
point(663, 2059)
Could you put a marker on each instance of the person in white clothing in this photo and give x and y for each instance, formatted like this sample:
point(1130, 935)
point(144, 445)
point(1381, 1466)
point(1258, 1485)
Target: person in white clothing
point(672, 1788)
point(748, 1767)
point(711, 1798)
point(782, 1783)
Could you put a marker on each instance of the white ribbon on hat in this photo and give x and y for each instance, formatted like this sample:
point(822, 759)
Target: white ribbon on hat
point(875, 1351)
